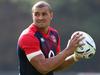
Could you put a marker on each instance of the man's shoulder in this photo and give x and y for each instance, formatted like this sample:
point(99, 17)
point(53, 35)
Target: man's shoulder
point(27, 36)
point(29, 31)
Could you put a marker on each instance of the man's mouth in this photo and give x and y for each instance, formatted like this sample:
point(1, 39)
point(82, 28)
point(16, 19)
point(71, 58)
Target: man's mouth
point(40, 22)
point(43, 21)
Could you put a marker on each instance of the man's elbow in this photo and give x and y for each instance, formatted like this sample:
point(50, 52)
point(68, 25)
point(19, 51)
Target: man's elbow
point(43, 70)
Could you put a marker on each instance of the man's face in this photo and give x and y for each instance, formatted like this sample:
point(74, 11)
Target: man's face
point(42, 17)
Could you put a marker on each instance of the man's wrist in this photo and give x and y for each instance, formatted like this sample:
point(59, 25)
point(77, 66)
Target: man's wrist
point(73, 56)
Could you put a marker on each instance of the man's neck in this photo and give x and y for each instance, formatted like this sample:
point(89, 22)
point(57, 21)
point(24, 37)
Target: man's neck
point(44, 30)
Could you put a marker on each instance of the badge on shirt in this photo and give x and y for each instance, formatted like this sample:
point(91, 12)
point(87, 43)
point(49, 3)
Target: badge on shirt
point(53, 38)
point(42, 40)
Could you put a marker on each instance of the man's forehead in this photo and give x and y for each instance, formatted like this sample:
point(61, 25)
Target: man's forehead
point(43, 9)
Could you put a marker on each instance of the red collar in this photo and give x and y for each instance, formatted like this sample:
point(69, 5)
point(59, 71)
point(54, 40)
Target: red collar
point(35, 28)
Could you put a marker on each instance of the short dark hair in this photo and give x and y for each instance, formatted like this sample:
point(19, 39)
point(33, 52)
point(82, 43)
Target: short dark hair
point(42, 4)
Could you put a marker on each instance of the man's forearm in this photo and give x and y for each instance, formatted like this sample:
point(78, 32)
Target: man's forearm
point(50, 64)
point(67, 63)
point(56, 61)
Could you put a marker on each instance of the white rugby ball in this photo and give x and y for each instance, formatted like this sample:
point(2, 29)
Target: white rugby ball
point(88, 50)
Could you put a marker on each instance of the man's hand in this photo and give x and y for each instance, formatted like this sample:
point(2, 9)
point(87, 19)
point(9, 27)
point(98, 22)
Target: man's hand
point(73, 43)
point(77, 56)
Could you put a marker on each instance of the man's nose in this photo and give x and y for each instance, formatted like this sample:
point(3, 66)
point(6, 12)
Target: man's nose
point(40, 17)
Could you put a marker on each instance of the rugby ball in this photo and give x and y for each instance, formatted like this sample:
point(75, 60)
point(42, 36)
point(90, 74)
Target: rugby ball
point(87, 50)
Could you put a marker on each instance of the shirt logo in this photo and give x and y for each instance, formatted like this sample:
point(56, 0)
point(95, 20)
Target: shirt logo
point(42, 40)
point(53, 38)
point(51, 54)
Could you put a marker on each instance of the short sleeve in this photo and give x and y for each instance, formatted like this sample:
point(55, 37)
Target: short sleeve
point(30, 45)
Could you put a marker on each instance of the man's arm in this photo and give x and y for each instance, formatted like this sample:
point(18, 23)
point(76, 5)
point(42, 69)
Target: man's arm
point(70, 60)
point(45, 65)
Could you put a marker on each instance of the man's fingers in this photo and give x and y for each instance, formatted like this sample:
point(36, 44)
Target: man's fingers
point(78, 39)
point(76, 36)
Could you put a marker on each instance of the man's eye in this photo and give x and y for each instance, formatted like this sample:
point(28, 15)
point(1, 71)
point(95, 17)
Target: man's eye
point(44, 14)
point(36, 14)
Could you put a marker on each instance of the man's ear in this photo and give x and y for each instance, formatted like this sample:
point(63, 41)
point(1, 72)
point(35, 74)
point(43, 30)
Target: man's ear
point(32, 15)
point(51, 15)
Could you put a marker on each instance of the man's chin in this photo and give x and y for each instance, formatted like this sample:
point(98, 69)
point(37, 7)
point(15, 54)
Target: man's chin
point(41, 26)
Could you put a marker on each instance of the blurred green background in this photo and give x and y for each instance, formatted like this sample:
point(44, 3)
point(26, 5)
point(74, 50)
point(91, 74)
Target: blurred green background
point(69, 16)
